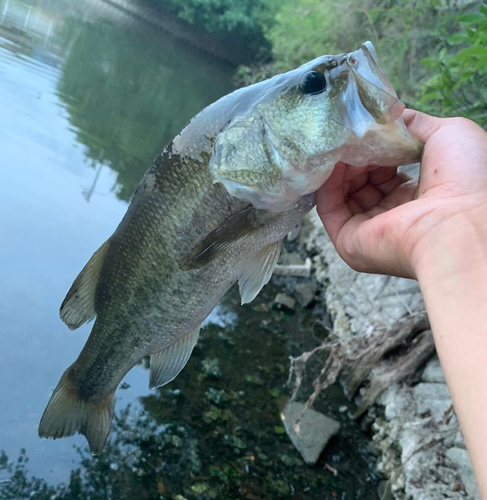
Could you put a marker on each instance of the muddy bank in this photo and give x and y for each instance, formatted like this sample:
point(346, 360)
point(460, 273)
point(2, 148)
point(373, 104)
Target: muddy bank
point(420, 450)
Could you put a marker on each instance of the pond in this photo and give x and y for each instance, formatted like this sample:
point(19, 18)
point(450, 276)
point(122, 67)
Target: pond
point(89, 95)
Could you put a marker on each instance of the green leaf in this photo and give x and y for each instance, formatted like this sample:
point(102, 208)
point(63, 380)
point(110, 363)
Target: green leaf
point(472, 51)
point(483, 9)
point(472, 18)
point(275, 393)
point(430, 96)
point(457, 38)
point(430, 63)
point(375, 13)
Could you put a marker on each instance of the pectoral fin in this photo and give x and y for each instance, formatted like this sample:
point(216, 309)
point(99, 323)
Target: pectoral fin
point(229, 233)
point(258, 271)
point(166, 364)
point(79, 305)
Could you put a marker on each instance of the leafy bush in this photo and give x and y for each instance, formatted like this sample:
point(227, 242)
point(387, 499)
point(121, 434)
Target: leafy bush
point(244, 17)
point(403, 32)
point(459, 82)
point(414, 39)
point(305, 29)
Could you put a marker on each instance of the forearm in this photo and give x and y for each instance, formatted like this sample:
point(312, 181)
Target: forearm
point(452, 273)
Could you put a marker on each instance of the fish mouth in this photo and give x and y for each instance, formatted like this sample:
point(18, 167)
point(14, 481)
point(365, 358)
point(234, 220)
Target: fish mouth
point(370, 109)
point(368, 97)
point(374, 89)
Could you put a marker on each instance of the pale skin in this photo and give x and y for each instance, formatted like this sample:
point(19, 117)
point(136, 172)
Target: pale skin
point(435, 231)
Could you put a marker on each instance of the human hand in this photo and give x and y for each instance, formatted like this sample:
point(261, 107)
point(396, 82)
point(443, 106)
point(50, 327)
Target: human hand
point(381, 221)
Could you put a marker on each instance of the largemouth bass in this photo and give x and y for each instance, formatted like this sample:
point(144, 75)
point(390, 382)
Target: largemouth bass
point(212, 210)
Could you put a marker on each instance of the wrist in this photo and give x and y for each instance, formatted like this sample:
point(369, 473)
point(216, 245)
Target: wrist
point(453, 250)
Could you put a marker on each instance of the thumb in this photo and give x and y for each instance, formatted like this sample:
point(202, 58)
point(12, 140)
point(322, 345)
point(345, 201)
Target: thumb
point(421, 125)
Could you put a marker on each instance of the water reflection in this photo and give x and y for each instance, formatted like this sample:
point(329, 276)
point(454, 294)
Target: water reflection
point(88, 96)
point(59, 150)
point(129, 93)
point(215, 431)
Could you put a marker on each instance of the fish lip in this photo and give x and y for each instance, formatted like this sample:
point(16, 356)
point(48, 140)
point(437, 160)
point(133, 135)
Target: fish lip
point(371, 110)
point(367, 98)
point(366, 63)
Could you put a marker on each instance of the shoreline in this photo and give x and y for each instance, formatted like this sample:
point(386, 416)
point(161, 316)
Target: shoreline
point(420, 450)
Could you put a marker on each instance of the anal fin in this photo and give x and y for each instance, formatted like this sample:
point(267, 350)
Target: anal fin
point(257, 271)
point(166, 364)
point(79, 305)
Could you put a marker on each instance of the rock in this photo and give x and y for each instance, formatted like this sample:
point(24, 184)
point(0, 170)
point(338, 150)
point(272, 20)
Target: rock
point(433, 372)
point(412, 170)
point(294, 233)
point(312, 433)
point(285, 300)
point(412, 436)
point(305, 292)
point(432, 398)
point(291, 258)
point(301, 270)
point(460, 458)
point(458, 441)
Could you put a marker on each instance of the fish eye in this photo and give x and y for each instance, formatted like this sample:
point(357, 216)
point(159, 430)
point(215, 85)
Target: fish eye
point(314, 82)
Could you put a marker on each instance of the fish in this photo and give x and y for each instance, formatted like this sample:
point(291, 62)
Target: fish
point(212, 210)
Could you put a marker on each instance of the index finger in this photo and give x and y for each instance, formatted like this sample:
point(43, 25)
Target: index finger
point(330, 200)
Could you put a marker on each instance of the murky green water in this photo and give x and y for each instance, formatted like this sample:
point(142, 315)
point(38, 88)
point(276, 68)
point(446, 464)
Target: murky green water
point(88, 97)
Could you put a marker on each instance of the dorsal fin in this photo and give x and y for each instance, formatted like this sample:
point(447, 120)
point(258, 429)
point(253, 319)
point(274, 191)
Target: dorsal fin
point(167, 363)
point(79, 305)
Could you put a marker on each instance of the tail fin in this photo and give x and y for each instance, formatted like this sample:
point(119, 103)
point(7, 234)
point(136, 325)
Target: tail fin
point(67, 413)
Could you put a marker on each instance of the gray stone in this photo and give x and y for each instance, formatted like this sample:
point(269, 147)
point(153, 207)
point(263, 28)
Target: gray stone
point(460, 458)
point(290, 258)
point(412, 170)
point(311, 434)
point(285, 300)
point(458, 441)
point(294, 233)
point(433, 372)
point(301, 270)
point(413, 435)
point(432, 398)
point(305, 292)
point(396, 402)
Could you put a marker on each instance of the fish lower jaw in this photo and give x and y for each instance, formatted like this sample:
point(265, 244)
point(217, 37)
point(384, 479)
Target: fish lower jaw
point(389, 146)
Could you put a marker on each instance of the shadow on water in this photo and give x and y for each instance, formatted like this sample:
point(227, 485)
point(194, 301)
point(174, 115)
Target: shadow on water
point(87, 93)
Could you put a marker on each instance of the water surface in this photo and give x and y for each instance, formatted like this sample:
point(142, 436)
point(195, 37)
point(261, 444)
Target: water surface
point(88, 97)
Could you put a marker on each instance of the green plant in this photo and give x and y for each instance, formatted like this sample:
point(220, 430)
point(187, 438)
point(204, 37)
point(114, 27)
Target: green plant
point(244, 17)
point(305, 29)
point(403, 31)
point(459, 82)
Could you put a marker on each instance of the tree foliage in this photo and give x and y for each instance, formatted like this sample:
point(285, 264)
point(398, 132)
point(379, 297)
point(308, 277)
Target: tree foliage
point(245, 19)
point(403, 32)
point(458, 84)
point(306, 29)
point(416, 40)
